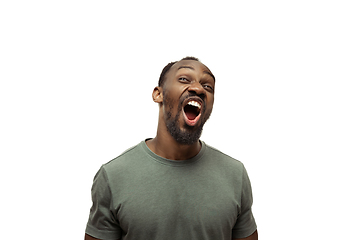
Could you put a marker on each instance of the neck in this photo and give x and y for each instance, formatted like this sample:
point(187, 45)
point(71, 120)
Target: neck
point(167, 147)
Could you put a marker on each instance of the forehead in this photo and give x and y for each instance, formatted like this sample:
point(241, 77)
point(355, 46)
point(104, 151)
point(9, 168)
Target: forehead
point(195, 65)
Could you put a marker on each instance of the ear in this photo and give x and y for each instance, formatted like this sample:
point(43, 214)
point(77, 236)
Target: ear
point(157, 95)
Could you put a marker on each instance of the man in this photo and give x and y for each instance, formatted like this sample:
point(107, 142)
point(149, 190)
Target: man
point(174, 186)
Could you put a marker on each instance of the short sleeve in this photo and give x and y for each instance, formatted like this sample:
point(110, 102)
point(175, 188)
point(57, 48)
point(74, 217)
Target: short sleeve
point(245, 224)
point(102, 221)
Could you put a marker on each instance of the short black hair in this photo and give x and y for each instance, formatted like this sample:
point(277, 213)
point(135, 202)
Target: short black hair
point(167, 68)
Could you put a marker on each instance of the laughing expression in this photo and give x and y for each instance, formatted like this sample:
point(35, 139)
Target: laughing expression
point(188, 97)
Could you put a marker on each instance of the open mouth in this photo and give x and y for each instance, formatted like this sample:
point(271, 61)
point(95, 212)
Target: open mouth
point(192, 112)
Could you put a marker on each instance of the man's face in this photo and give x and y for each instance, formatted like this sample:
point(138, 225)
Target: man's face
point(188, 97)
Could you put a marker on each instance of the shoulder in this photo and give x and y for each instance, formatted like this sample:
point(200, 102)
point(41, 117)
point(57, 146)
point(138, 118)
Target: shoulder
point(125, 160)
point(220, 155)
point(123, 156)
point(223, 159)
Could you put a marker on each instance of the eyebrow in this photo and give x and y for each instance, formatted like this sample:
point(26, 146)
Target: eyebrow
point(185, 67)
point(207, 72)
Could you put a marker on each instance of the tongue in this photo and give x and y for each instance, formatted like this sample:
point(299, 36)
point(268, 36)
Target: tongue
point(190, 115)
point(191, 112)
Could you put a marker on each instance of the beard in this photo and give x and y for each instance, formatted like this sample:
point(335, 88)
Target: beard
point(189, 134)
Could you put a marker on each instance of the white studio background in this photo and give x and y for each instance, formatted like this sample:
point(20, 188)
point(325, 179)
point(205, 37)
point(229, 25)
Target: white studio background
point(76, 83)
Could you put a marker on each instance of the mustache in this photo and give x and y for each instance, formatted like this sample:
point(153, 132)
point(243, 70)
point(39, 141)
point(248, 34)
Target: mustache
point(192, 95)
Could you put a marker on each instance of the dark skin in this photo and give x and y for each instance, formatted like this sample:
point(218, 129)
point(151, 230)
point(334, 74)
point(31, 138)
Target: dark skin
point(193, 77)
point(185, 77)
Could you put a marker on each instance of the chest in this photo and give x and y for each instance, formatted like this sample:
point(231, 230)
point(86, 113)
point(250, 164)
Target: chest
point(188, 203)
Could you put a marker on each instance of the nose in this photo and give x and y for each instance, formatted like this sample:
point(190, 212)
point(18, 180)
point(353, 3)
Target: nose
point(198, 89)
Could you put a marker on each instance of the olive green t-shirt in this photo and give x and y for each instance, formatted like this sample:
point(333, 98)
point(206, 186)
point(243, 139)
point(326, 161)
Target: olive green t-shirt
point(140, 195)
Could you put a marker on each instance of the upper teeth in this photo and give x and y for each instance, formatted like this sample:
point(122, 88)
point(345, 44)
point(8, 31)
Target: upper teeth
point(195, 104)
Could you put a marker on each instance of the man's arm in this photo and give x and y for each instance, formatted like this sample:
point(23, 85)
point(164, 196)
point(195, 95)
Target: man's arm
point(88, 237)
point(253, 236)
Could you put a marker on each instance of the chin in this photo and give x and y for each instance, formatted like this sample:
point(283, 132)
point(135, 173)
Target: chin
point(187, 135)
